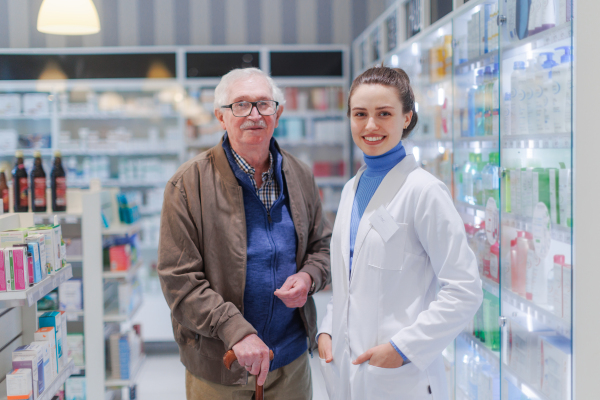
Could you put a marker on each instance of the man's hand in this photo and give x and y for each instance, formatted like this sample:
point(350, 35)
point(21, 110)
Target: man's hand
point(325, 347)
point(382, 356)
point(253, 354)
point(295, 289)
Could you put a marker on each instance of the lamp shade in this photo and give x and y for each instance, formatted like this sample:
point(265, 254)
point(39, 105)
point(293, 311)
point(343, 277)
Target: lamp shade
point(68, 17)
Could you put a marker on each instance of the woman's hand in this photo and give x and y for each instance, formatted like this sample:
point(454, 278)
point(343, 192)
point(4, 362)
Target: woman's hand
point(325, 347)
point(382, 356)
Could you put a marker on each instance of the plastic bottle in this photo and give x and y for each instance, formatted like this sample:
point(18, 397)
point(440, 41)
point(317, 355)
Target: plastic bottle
point(480, 104)
point(534, 90)
point(514, 275)
point(478, 190)
point(518, 99)
point(491, 179)
point(58, 182)
point(467, 180)
point(545, 102)
point(4, 190)
point(481, 247)
point(531, 265)
point(488, 99)
point(38, 185)
point(546, 16)
point(562, 92)
point(20, 185)
point(534, 17)
point(519, 272)
point(495, 100)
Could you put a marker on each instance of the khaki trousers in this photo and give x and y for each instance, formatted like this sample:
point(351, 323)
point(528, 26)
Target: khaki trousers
point(291, 382)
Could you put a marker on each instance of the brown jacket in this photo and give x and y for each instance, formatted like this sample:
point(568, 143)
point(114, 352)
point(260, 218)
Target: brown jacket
point(202, 258)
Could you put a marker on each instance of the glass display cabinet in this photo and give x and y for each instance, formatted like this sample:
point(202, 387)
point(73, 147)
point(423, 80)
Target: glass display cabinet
point(493, 82)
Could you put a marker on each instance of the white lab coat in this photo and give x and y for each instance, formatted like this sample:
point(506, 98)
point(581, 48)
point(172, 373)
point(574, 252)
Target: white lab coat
point(419, 289)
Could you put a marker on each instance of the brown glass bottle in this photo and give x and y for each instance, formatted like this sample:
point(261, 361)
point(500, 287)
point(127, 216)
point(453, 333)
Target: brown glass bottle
point(58, 182)
point(4, 190)
point(20, 185)
point(38, 185)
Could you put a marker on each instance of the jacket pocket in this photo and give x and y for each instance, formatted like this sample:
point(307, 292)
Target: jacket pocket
point(404, 383)
point(327, 370)
point(387, 255)
point(212, 348)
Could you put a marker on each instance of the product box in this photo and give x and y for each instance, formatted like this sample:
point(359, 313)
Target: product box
point(556, 381)
point(555, 286)
point(76, 347)
point(52, 319)
point(2, 271)
point(15, 265)
point(75, 388)
point(31, 357)
point(35, 104)
point(53, 239)
point(48, 335)
point(64, 334)
point(10, 104)
point(48, 370)
point(70, 295)
point(120, 257)
point(12, 237)
point(19, 385)
point(30, 363)
point(9, 140)
point(31, 267)
point(567, 276)
point(41, 244)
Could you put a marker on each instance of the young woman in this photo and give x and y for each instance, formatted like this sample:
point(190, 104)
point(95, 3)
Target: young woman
point(405, 282)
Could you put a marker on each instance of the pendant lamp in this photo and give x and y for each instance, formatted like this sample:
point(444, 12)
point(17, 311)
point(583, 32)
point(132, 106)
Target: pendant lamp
point(68, 17)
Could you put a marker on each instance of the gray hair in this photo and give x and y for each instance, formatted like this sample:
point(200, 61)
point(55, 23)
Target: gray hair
point(222, 89)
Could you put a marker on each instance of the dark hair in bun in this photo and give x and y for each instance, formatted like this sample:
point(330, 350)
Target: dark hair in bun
point(392, 77)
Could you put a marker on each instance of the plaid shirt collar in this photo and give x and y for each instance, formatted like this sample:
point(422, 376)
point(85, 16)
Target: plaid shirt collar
point(250, 170)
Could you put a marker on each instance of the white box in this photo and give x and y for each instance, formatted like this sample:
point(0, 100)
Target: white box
point(18, 384)
point(9, 138)
point(10, 104)
point(31, 357)
point(48, 335)
point(36, 104)
point(41, 241)
point(70, 295)
point(567, 276)
point(556, 382)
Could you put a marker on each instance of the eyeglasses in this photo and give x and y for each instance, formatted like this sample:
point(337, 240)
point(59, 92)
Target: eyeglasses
point(244, 108)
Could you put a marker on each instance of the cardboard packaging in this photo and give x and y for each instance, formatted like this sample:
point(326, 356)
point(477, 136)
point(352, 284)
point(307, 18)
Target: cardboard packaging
point(41, 242)
point(18, 384)
point(70, 295)
point(31, 357)
point(76, 349)
point(12, 237)
point(48, 370)
point(53, 319)
point(556, 381)
point(48, 335)
point(53, 244)
point(2, 271)
point(15, 265)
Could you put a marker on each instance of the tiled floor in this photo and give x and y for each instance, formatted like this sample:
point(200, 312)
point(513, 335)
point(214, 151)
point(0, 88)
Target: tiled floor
point(163, 376)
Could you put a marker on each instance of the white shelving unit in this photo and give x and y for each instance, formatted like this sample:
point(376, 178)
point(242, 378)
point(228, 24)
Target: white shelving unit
point(18, 314)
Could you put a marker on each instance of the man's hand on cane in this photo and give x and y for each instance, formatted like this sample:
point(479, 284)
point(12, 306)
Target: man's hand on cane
point(253, 354)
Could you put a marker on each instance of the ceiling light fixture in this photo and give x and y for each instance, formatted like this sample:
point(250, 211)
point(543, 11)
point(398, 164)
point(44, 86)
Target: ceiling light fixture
point(68, 17)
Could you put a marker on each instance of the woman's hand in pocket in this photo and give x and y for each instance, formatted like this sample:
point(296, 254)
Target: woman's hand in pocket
point(382, 356)
point(325, 347)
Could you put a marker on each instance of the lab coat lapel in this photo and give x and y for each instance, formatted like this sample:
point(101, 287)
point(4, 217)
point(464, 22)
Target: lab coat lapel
point(346, 218)
point(384, 194)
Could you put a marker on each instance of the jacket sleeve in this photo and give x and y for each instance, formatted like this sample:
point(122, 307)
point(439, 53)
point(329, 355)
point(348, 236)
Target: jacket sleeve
point(316, 260)
point(327, 323)
point(193, 303)
point(440, 230)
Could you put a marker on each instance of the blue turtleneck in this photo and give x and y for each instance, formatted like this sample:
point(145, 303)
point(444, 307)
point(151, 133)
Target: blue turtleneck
point(377, 169)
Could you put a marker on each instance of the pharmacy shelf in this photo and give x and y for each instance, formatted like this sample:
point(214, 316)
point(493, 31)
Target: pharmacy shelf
point(558, 232)
point(26, 152)
point(119, 229)
point(470, 209)
point(74, 259)
point(429, 142)
point(134, 375)
point(487, 353)
point(537, 141)
point(513, 377)
point(283, 142)
point(116, 317)
point(126, 275)
point(490, 286)
point(102, 116)
point(59, 214)
point(331, 181)
point(30, 296)
point(477, 142)
point(144, 211)
point(25, 117)
point(57, 383)
point(517, 306)
point(71, 315)
point(310, 114)
point(477, 62)
point(120, 184)
point(542, 39)
point(118, 152)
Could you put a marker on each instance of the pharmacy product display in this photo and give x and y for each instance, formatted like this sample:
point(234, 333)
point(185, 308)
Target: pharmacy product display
point(500, 101)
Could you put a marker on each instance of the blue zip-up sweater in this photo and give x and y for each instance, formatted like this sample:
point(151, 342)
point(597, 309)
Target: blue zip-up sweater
point(271, 259)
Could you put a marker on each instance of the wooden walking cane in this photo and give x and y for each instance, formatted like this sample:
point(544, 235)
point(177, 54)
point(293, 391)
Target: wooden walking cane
point(230, 357)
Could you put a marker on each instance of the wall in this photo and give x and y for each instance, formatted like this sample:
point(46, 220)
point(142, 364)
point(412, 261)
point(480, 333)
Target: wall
point(199, 22)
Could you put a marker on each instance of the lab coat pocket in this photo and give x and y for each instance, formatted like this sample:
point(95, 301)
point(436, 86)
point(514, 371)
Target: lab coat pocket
point(327, 370)
point(388, 255)
point(404, 383)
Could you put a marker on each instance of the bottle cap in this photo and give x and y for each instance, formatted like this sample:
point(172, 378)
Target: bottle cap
point(559, 259)
point(567, 56)
point(488, 70)
point(57, 154)
point(37, 154)
point(513, 242)
point(19, 154)
point(549, 63)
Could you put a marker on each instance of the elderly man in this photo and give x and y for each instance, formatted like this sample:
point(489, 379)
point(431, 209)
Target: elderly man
point(243, 245)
